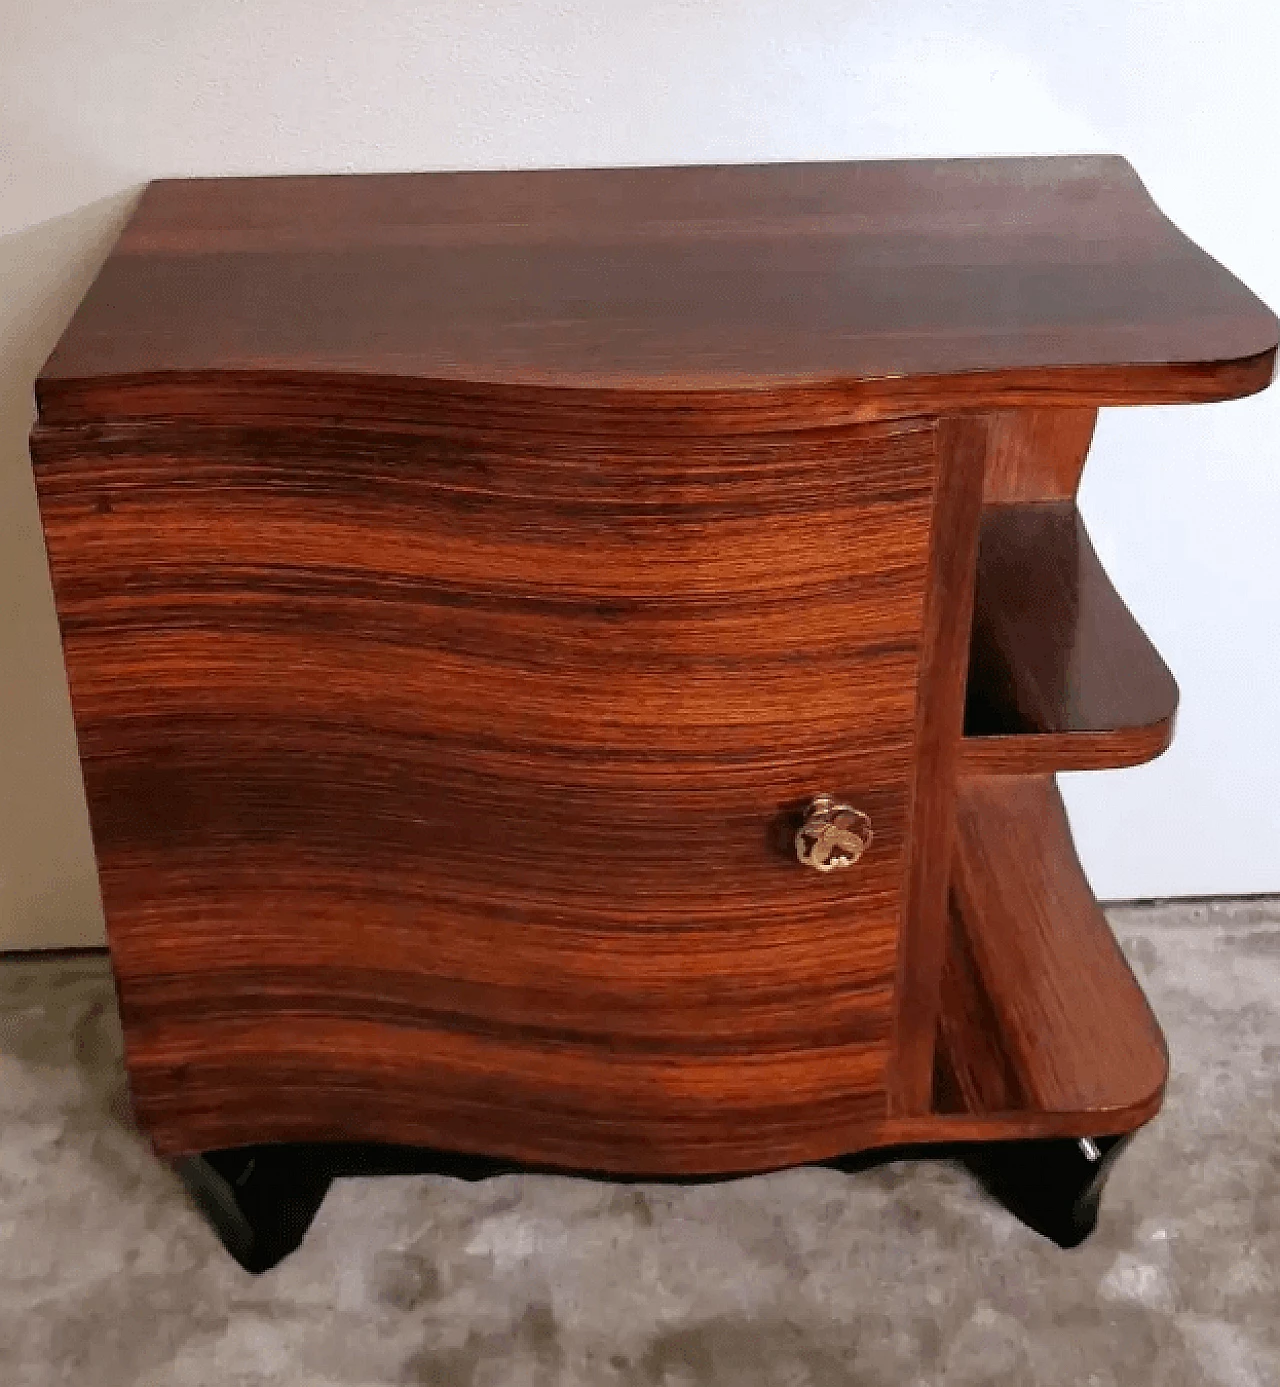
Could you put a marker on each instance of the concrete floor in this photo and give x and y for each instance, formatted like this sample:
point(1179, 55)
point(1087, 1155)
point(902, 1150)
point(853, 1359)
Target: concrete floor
point(905, 1276)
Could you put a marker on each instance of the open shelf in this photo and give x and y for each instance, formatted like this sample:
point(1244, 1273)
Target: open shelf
point(1061, 677)
point(1043, 1029)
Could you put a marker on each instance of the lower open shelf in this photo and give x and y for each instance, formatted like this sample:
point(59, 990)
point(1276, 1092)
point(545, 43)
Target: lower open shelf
point(1044, 1030)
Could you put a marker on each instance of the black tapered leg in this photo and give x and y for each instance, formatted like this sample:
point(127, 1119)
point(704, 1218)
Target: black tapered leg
point(260, 1199)
point(1054, 1186)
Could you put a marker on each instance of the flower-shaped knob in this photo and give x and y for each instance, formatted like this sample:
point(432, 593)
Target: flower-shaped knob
point(833, 835)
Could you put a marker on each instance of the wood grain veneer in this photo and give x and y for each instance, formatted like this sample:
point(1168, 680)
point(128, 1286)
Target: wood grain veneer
point(1042, 1019)
point(1037, 454)
point(922, 286)
point(467, 580)
point(478, 754)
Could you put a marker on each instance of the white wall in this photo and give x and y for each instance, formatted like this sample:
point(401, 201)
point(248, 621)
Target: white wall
point(96, 98)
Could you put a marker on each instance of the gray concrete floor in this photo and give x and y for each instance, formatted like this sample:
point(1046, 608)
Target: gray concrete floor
point(904, 1276)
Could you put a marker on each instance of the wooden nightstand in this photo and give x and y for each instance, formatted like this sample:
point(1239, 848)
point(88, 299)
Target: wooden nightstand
point(570, 667)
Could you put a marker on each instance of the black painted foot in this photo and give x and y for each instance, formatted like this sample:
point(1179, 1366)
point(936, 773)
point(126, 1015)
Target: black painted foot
point(260, 1199)
point(1053, 1186)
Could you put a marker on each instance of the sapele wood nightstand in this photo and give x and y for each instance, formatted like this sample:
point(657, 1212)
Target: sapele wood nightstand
point(570, 667)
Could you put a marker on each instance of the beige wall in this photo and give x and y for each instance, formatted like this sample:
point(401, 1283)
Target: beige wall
point(48, 890)
point(95, 98)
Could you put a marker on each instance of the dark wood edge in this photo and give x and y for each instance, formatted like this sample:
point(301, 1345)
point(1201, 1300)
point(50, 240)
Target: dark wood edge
point(923, 1134)
point(225, 397)
point(347, 1160)
point(1051, 752)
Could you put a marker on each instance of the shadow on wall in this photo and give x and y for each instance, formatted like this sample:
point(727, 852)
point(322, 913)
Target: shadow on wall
point(48, 884)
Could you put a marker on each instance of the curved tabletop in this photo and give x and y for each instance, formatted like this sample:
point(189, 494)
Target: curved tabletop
point(962, 282)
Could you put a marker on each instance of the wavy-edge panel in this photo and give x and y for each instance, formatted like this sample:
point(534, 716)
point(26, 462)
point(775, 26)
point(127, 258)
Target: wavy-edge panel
point(969, 281)
point(267, 395)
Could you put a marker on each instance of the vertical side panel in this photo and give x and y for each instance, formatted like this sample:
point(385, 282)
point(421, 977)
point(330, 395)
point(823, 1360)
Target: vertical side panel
point(1037, 454)
point(963, 445)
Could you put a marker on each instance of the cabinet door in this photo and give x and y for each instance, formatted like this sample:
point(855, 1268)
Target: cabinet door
point(445, 783)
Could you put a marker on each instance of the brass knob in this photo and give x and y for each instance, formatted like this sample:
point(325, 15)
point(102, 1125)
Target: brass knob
point(833, 835)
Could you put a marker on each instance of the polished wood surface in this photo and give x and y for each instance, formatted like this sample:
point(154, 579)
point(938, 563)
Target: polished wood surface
point(1041, 1014)
point(467, 581)
point(897, 287)
point(1037, 454)
point(479, 754)
point(1061, 677)
point(939, 727)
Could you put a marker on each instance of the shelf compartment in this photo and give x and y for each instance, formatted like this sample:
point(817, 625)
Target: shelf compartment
point(1043, 1030)
point(1061, 677)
